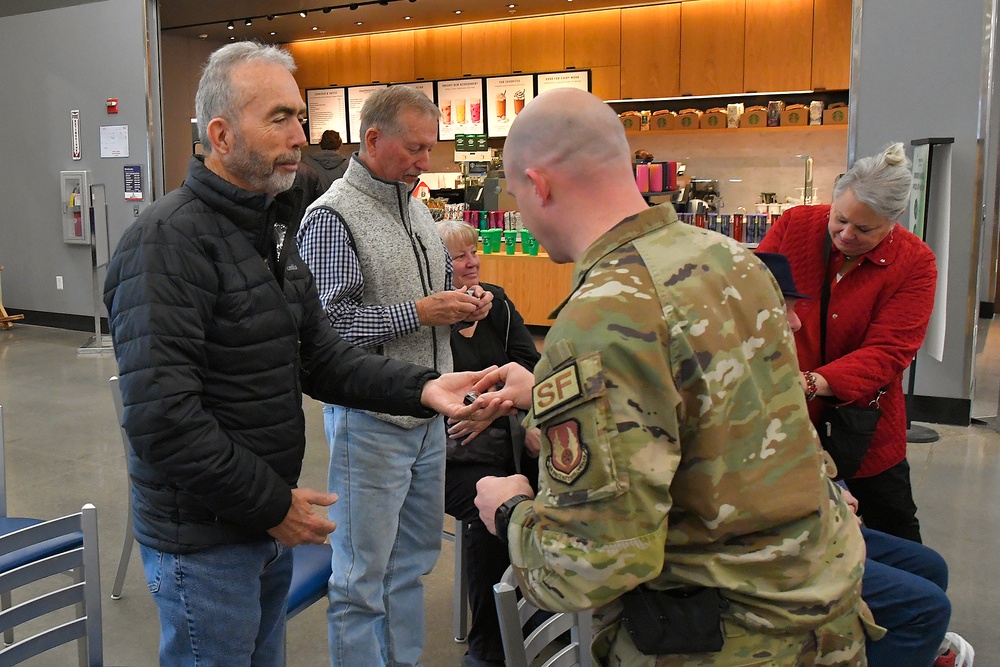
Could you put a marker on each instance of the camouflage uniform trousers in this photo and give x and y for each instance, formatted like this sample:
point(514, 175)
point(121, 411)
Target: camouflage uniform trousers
point(838, 643)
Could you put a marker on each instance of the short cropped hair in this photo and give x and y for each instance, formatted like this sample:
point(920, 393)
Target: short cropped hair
point(881, 182)
point(330, 141)
point(382, 109)
point(457, 232)
point(216, 96)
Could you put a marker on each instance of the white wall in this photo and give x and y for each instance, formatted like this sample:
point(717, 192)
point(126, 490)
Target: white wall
point(56, 61)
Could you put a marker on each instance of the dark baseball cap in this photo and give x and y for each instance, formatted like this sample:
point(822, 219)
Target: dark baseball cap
point(782, 272)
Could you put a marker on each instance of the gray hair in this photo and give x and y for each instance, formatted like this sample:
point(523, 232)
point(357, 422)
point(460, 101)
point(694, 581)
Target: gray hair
point(382, 109)
point(881, 182)
point(216, 97)
point(457, 231)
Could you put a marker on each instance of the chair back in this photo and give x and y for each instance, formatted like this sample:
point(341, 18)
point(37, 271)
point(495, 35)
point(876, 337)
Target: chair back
point(521, 651)
point(84, 593)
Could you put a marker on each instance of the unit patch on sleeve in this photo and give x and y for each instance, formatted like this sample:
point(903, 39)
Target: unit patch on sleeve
point(555, 390)
point(569, 455)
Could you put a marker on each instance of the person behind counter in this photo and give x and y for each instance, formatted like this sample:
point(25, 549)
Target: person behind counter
point(503, 448)
point(881, 281)
point(666, 478)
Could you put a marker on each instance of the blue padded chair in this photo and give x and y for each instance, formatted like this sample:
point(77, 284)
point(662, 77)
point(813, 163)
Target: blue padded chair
point(15, 559)
point(310, 562)
point(84, 593)
point(520, 650)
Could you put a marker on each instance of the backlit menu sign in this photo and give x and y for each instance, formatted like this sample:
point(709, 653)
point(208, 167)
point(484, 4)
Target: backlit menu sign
point(461, 104)
point(327, 110)
point(579, 79)
point(356, 96)
point(506, 96)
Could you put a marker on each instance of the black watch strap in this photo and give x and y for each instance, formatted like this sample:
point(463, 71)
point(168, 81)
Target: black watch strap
point(502, 516)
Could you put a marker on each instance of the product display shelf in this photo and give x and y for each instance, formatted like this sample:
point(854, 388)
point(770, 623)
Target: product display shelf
point(534, 283)
point(744, 130)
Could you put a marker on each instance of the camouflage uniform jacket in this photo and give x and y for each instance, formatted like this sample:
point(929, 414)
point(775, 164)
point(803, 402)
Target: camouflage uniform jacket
point(677, 449)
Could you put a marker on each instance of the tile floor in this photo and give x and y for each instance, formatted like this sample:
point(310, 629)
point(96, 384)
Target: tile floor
point(63, 450)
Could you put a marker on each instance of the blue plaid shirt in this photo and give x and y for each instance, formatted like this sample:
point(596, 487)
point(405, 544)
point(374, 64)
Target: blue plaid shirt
point(325, 247)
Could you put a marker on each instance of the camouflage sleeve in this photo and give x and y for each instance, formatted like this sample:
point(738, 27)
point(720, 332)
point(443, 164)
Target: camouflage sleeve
point(607, 408)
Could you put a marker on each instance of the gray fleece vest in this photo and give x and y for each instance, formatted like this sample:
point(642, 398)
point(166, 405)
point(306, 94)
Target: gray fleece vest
point(402, 259)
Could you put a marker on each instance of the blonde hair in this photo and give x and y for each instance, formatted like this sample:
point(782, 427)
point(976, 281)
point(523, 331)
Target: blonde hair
point(454, 232)
point(881, 182)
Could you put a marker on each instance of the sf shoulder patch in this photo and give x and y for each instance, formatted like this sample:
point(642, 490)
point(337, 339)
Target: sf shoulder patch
point(557, 389)
point(569, 455)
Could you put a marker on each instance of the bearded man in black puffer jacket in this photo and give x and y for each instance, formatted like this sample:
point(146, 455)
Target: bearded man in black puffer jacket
point(218, 331)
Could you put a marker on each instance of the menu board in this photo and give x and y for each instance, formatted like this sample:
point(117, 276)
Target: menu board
point(426, 87)
point(327, 110)
point(356, 96)
point(507, 95)
point(461, 104)
point(577, 78)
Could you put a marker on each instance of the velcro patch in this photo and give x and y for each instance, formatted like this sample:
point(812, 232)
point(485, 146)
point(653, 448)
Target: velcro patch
point(569, 455)
point(557, 389)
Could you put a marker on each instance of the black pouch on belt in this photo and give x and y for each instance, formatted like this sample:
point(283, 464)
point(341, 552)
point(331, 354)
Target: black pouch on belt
point(679, 620)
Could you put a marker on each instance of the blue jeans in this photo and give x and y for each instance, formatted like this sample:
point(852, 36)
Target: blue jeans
point(389, 521)
point(904, 586)
point(222, 606)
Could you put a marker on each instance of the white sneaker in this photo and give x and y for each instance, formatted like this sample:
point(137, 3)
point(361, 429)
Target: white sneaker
point(955, 652)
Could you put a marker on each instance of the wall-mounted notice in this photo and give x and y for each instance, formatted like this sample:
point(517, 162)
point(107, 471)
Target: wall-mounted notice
point(426, 87)
point(461, 104)
point(133, 182)
point(577, 78)
point(356, 97)
point(507, 95)
point(114, 141)
point(74, 119)
point(327, 110)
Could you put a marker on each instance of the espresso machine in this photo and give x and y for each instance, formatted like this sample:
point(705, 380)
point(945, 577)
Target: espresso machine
point(700, 195)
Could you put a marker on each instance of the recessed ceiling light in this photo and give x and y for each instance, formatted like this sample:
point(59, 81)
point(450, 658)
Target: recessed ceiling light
point(315, 27)
point(230, 26)
point(360, 23)
point(511, 6)
point(203, 36)
point(248, 22)
point(458, 11)
point(407, 18)
point(232, 38)
point(273, 33)
point(302, 14)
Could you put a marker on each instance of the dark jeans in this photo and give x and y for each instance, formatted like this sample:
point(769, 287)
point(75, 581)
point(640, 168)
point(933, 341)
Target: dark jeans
point(485, 555)
point(885, 502)
point(904, 586)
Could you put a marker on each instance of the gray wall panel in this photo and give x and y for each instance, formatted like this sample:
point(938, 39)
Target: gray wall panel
point(69, 58)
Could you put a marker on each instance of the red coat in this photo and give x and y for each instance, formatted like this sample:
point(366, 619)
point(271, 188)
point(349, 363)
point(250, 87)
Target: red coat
point(876, 319)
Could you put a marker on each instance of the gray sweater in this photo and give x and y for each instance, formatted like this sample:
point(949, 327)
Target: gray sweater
point(402, 259)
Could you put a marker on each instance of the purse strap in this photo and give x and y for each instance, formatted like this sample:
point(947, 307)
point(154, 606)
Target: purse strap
point(824, 302)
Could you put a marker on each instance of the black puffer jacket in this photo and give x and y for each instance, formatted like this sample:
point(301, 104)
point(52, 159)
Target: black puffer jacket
point(215, 347)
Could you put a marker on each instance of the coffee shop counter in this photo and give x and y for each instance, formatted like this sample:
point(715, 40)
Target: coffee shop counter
point(534, 283)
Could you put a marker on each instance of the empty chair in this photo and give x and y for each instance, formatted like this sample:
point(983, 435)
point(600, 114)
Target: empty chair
point(9, 561)
point(83, 593)
point(521, 651)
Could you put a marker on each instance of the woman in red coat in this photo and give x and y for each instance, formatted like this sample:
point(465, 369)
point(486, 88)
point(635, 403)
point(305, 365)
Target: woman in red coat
point(882, 280)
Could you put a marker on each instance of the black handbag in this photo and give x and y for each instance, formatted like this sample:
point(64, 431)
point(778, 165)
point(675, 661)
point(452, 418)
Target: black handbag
point(846, 430)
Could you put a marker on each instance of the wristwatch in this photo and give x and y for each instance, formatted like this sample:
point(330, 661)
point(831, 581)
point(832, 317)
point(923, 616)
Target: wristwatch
point(502, 516)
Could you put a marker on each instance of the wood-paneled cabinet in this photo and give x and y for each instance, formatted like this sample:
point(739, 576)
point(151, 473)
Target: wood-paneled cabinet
point(486, 48)
point(712, 46)
point(778, 45)
point(651, 51)
point(538, 44)
point(349, 60)
point(437, 53)
point(831, 54)
point(593, 39)
point(312, 63)
point(392, 57)
point(606, 82)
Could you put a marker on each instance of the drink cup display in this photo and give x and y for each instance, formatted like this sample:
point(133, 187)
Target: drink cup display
point(475, 109)
point(502, 105)
point(518, 101)
point(459, 110)
point(446, 112)
point(510, 241)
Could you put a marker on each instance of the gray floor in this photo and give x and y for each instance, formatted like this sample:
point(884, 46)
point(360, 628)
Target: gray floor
point(63, 450)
